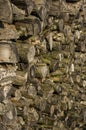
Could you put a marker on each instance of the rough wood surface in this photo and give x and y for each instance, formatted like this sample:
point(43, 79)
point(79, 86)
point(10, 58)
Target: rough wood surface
point(6, 13)
point(26, 52)
point(43, 65)
point(26, 5)
point(8, 32)
point(18, 14)
point(8, 52)
point(29, 26)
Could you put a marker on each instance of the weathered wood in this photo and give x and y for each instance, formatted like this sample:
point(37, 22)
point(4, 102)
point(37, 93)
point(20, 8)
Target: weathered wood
point(18, 14)
point(41, 9)
point(29, 26)
point(8, 32)
point(54, 8)
point(26, 52)
point(8, 52)
point(41, 71)
point(21, 78)
point(5, 92)
point(7, 74)
point(72, 9)
point(26, 5)
point(6, 13)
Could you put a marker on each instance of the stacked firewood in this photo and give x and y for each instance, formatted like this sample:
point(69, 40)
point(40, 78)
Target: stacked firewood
point(42, 64)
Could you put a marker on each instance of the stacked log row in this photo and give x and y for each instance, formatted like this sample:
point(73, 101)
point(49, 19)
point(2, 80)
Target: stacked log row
point(42, 65)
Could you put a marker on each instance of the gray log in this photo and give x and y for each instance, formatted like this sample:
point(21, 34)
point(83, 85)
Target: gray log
point(5, 92)
point(8, 32)
point(29, 26)
point(26, 5)
point(6, 13)
point(8, 52)
point(41, 9)
point(18, 14)
point(26, 52)
point(54, 9)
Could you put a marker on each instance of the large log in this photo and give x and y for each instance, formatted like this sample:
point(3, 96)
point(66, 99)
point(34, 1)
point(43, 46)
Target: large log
point(26, 5)
point(41, 71)
point(41, 8)
point(8, 52)
point(5, 92)
point(72, 9)
point(8, 32)
point(54, 9)
point(21, 78)
point(26, 52)
point(18, 14)
point(29, 26)
point(6, 13)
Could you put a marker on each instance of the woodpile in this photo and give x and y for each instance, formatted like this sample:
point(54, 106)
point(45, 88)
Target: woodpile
point(42, 64)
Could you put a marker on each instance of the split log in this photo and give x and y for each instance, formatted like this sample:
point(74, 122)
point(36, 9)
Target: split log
point(41, 9)
point(26, 52)
point(28, 26)
point(18, 14)
point(26, 5)
point(10, 114)
point(55, 40)
point(72, 9)
point(6, 13)
point(81, 47)
point(52, 60)
point(54, 9)
point(41, 47)
point(21, 78)
point(8, 52)
point(7, 74)
point(5, 92)
point(40, 70)
point(8, 32)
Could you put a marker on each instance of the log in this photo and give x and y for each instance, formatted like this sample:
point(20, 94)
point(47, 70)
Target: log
point(54, 9)
point(5, 92)
point(26, 52)
point(81, 47)
point(72, 9)
point(18, 14)
point(8, 32)
point(26, 5)
point(29, 26)
point(41, 71)
point(8, 52)
point(41, 8)
point(21, 78)
point(6, 13)
point(7, 74)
